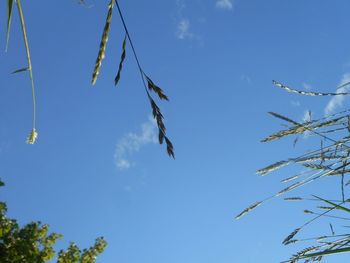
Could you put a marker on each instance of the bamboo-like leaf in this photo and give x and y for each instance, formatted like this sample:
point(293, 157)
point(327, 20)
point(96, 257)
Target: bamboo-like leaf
point(103, 44)
point(9, 16)
point(122, 58)
point(334, 204)
point(156, 89)
point(20, 70)
point(307, 93)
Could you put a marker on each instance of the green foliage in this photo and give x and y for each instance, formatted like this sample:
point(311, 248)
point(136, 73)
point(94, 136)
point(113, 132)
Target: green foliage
point(34, 243)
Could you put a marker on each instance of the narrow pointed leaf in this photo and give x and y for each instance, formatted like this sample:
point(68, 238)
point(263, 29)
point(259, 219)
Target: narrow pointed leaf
point(122, 58)
point(20, 70)
point(327, 252)
point(334, 204)
point(9, 16)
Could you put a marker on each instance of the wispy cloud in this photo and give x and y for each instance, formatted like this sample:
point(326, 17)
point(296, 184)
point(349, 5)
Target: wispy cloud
point(183, 29)
point(306, 116)
point(133, 142)
point(224, 4)
point(306, 86)
point(337, 101)
point(295, 103)
point(183, 23)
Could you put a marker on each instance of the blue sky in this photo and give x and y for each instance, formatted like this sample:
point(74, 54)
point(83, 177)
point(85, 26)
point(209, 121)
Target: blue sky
point(96, 169)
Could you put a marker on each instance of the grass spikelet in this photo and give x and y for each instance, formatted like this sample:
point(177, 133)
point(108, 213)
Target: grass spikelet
point(248, 209)
point(156, 89)
point(160, 136)
point(301, 254)
point(299, 128)
point(291, 236)
point(122, 58)
point(169, 147)
point(32, 137)
point(103, 44)
point(307, 93)
point(325, 207)
point(283, 133)
point(289, 188)
point(293, 199)
point(272, 167)
point(290, 179)
point(161, 127)
point(316, 166)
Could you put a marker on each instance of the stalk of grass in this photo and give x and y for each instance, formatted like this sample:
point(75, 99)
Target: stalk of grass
point(33, 134)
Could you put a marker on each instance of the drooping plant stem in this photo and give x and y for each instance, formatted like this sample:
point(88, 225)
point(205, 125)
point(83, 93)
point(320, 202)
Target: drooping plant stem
point(33, 134)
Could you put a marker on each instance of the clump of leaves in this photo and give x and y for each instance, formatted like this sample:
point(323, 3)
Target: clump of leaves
point(148, 84)
point(33, 134)
point(331, 159)
point(34, 243)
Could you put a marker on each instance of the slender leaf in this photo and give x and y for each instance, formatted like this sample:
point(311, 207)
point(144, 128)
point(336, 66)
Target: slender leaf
point(122, 58)
point(334, 204)
point(20, 70)
point(328, 252)
point(9, 16)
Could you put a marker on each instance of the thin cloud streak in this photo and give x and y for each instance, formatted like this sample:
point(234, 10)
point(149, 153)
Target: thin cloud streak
point(183, 29)
point(337, 101)
point(133, 142)
point(224, 4)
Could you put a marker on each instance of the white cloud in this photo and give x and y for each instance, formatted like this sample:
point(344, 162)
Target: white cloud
point(307, 86)
point(295, 103)
point(224, 4)
point(337, 101)
point(133, 142)
point(306, 116)
point(183, 29)
point(182, 22)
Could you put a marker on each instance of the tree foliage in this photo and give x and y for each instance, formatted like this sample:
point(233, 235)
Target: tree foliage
point(33, 243)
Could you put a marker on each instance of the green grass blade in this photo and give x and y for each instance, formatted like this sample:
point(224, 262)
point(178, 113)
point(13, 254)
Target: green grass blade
point(328, 252)
point(334, 204)
point(9, 15)
point(33, 134)
point(20, 70)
